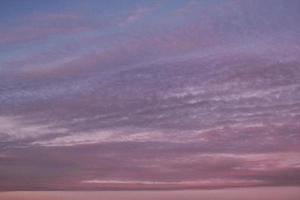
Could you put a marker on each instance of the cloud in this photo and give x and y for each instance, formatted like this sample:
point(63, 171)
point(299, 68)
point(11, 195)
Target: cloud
point(134, 16)
point(14, 129)
point(207, 102)
point(143, 166)
point(170, 185)
point(43, 26)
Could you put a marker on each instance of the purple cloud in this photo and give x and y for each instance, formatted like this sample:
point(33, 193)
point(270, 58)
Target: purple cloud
point(187, 96)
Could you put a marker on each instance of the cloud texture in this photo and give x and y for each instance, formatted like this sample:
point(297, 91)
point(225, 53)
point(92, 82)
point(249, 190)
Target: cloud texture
point(153, 95)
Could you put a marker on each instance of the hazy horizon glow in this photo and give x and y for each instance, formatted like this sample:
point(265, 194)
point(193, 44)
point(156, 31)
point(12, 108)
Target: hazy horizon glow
point(149, 95)
point(262, 193)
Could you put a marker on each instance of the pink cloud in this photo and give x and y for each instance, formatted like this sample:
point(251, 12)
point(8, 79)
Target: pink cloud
point(43, 26)
point(55, 16)
point(134, 16)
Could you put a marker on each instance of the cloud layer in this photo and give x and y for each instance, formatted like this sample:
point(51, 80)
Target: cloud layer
point(169, 95)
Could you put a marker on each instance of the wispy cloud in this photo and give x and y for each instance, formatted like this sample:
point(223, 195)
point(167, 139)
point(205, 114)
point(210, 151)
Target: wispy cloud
point(205, 99)
point(134, 16)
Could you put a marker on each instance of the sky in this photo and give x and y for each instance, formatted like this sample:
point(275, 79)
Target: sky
point(149, 95)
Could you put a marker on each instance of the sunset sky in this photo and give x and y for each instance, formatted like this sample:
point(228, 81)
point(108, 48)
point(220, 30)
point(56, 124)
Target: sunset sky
point(149, 95)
